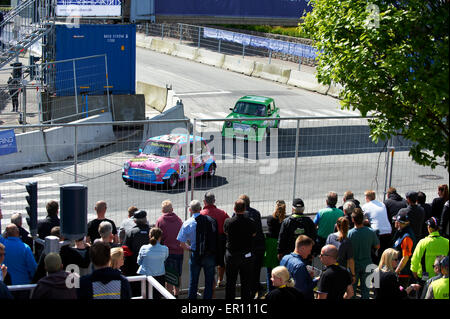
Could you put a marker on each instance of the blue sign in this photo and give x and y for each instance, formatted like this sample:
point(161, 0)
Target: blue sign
point(299, 49)
point(7, 142)
point(234, 8)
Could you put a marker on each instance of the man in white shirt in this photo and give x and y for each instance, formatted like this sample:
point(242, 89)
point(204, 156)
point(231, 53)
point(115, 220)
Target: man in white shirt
point(375, 212)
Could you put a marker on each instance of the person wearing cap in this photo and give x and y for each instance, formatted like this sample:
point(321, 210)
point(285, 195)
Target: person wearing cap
point(416, 214)
point(439, 289)
point(426, 251)
point(127, 224)
point(404, 243)
point(54, 286)
point(295, 225)
point(325, 220)
point(135, 238)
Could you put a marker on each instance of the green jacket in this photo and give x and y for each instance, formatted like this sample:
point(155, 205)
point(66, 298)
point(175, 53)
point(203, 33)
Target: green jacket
point(430, 247)
point(440, 288)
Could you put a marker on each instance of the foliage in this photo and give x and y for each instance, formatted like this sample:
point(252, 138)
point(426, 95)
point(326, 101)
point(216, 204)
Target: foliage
point(393, 64)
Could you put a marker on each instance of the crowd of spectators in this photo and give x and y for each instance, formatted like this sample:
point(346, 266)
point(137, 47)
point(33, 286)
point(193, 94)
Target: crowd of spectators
point(395, 249)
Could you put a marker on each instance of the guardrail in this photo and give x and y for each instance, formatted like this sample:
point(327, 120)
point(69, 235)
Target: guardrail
point(145, 294)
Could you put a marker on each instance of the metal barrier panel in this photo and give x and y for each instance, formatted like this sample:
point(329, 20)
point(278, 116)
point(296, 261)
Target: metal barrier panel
point(304, 157)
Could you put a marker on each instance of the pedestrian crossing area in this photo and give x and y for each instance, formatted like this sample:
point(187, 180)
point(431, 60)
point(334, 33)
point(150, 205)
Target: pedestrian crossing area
point(215, 126)
point(13, 193)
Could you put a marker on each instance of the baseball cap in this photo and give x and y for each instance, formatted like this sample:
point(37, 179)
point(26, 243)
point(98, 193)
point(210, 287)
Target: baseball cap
point(432, 222)
point(140, 214)
point(401, 217)
point(297, 202)
point(412, 196)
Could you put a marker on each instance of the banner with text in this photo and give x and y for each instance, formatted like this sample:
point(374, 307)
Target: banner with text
point(88, 8)
point(7, 142)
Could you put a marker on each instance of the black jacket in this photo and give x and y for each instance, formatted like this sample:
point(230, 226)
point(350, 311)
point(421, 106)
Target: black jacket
point(54, 286)
point(259, 243)
point(416, 217)
point(291, 228)
point(393, 204)
point(444, 220)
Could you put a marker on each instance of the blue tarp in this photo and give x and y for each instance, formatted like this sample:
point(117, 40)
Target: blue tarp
point(298, 49)
point(7, 142)
point(233, 8)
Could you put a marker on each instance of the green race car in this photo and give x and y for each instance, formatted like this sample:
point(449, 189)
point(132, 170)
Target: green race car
point(252, 106)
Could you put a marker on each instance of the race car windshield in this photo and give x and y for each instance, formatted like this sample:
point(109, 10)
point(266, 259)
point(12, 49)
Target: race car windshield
point(250, 109)
point(159, 149)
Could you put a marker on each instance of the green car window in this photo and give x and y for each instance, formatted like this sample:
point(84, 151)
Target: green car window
point(250, 109)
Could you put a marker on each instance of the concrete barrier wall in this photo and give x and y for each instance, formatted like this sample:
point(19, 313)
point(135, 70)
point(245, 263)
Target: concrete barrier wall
point(185, 51)
point(30, 152)
point(238, 64)
point(306, 81)
point(56, 144)
point(155, 129)
point(59, 141)
point(334, 90)
point(209, 57)
point(162, 46)
point(271, 72)
point(155, 96)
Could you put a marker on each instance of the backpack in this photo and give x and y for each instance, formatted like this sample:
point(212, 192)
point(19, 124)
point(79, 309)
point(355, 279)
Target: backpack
point(206, 237)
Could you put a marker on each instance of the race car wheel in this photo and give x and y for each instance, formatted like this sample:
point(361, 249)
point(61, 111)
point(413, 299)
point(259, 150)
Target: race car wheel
point(172, 182)
point(211, 171)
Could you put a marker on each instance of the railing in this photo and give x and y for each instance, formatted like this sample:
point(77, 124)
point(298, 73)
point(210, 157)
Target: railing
point(236, 43)
point(60, 89)
point(305, 157)
point(23, 26)
point(152, 282)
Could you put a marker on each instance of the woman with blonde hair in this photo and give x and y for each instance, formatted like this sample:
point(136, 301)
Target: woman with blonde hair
point(284, 286)
point(386, 282)
point(117, 257)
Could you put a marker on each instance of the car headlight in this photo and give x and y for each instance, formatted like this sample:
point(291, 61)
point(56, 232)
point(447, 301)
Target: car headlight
point(126, 165)
point(157, 171)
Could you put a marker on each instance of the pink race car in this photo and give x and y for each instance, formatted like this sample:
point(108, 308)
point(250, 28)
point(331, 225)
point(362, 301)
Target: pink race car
point(163, 161)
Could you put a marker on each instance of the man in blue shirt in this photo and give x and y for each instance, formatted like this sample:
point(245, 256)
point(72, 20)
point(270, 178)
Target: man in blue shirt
point(296, 264)
point(199, 257)
point(18, 258)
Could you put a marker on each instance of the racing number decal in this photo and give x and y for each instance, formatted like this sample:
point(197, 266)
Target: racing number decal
point(183, 169)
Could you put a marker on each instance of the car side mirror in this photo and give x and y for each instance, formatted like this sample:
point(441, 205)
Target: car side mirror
point(231, 108)
point(140, 150)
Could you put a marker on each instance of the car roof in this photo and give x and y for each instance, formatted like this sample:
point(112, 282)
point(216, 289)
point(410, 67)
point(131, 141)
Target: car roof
point(175, 138)
point(256, 99)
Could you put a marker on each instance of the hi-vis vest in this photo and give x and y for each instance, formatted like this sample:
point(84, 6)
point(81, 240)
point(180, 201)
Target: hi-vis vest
point(440, 288)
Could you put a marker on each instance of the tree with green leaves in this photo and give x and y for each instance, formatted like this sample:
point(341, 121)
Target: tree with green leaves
point(392, 60)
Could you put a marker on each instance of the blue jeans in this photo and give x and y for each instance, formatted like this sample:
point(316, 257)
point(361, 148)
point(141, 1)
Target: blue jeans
point(208, 263)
